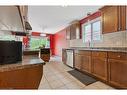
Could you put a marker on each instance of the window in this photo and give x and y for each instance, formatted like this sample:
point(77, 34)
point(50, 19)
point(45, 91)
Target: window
point(87, 33)
point(92, 31)
point(36, 42)
point(96, 31)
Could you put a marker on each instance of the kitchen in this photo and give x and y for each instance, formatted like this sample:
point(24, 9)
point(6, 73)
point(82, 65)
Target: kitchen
point(90, 40)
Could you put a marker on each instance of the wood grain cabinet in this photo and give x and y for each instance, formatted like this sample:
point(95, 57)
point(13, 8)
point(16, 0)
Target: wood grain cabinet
point(78, 61)
point(117, 69)
point(107, 66)
point(83, 61)
point(68, 33)
point(24, 78)
point(86, 62)
point(99, 64)
point(73, 31)
point(113, 18)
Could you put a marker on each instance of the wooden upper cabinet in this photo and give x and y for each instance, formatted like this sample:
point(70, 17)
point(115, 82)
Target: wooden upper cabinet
point(113, 18)
point(73, 31)
point(122, 17)
point(68, 33)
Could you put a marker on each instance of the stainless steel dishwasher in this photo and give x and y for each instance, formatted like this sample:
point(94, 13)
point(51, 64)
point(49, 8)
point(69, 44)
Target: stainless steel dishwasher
point(70, 57)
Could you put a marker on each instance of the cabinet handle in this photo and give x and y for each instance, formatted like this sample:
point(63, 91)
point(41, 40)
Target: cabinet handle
point(118, 56)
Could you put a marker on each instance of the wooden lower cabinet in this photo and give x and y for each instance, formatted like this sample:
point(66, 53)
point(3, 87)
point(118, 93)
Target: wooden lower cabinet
point(78, 61)
point(86, 63)
point(99, 67)
point(99, 64)
point(83, 61)
point(110, 67)
point(24, 78)
point(118, 73)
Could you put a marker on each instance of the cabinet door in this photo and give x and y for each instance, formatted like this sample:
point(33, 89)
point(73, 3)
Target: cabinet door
point(122, 16)
point(118, 72)
point(24, 78)
point(33, 76)
point(86, 63)
point(68, 33)
point(78, 61)
point(110, 19)
point(73, 31)
point(99, 67)
point(14, 79)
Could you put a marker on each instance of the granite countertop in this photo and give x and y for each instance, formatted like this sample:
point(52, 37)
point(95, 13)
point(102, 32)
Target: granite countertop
point(27, 61)
point(113, 49)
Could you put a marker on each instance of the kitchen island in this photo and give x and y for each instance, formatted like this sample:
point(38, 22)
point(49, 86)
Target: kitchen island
point(25, 74)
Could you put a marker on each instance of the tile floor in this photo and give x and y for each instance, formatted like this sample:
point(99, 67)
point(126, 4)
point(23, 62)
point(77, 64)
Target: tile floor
point(56, 77)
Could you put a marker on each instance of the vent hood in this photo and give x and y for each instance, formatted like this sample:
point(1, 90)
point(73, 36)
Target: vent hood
point(10, 19)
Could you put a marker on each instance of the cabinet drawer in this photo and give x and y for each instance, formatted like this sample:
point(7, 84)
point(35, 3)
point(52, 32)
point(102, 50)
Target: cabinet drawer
point(117, 55)
point(83, 52)
point(99, 54)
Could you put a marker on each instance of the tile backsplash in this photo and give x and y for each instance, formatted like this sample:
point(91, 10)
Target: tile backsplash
point(115, 39)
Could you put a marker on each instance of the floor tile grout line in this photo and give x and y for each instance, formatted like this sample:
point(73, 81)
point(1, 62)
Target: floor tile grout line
point(49, 82)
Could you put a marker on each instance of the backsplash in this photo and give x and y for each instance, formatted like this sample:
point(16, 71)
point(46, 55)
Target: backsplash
point(115, 39)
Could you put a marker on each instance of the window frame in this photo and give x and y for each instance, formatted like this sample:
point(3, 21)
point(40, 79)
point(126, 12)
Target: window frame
point(91, 23)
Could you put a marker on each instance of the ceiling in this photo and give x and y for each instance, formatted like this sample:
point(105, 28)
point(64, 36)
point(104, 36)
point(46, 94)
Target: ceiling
point(51, 19)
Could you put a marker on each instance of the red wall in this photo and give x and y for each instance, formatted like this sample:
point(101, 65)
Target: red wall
point(51, 37)
point(91, 17)
point(59, 42)
point(59, 39)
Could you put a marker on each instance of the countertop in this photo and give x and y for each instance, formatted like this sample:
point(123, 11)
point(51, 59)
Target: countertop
point(25, 50)
point(113, 49)
point(27, 61)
